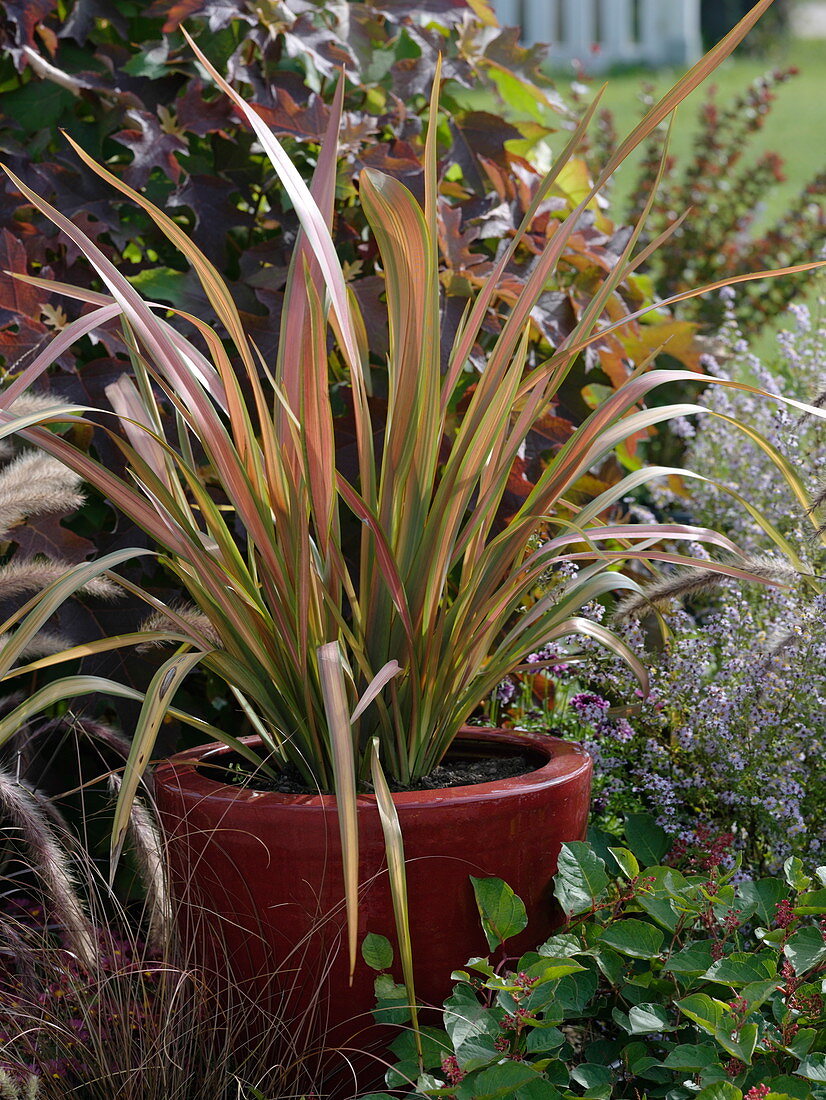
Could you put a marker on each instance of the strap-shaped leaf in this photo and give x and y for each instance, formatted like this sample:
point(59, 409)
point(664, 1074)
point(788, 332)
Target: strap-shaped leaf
point(394, 849)
point(156, 704)
point(334, 693)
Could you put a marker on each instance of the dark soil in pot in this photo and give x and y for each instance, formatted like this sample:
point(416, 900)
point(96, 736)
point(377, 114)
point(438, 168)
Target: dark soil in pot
point(460, 768)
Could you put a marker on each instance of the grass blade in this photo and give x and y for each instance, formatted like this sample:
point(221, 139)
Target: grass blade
point(155, 707)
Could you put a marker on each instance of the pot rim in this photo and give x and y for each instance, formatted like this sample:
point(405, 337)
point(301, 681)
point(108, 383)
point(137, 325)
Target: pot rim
point(564, 762)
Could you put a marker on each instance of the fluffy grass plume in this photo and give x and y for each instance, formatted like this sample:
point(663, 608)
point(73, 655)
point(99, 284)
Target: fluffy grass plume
point(21, 578)
point(35, 484)
point(694, 582)
point(24, 809)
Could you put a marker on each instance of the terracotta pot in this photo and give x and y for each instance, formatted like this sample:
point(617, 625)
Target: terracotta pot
point(263, 871)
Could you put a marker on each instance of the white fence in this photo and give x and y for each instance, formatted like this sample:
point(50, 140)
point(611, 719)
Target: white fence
point(600, 33)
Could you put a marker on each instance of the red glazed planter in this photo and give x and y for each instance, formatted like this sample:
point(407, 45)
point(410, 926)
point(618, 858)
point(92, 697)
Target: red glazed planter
point(263, 871)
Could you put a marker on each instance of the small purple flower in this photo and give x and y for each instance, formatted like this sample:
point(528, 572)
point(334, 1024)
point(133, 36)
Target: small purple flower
point(590, 707)
point(505, 692)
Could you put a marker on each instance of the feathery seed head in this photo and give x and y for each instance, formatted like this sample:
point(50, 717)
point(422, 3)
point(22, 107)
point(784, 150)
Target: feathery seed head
point(36, 484)
point(21, 578)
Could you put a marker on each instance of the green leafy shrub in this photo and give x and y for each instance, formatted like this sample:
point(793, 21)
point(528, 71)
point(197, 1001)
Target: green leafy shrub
point(667, 981)
point(724, 187)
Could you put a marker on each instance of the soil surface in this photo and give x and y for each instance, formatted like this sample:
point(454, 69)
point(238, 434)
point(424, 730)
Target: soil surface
point(454, 771)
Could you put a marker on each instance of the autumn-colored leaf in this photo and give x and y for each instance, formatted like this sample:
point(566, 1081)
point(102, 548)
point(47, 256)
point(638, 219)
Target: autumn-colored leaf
point(219, 12)
point(151, 147)
point(16, 299)
point(26, 15)
point(20, 339)
point(200, 116)
point(456, 239)
point(46, 535)
point(677, 338)
point(307, 123)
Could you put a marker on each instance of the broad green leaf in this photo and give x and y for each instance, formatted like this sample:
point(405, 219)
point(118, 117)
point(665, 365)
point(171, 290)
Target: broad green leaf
point(662, 910)
point(561, 946)
point(403, 1074)
point(601, 842)
point(541, 1088)
point(691, 1056)
point(812, 903)
point(644, 1018)
point(548, 970)
point(741, 968)
point(627, 862)
point(805, 949)
point(580, 879)
point(611, 963)
point(646, 839)
point(813, 1068)
point(377, 951)
point(791, 1088)
point(391, 1001)
point(541, 1039)
point(634, 937)
point(795, 875)
point(163, 284)
point(802, 1042)
point(465, 1019)
point(498, 1082)
point(502, 912)
point(755, 993)
point(426, 1083)
point(435, 1043)
point(704, 1011)
point(743, 1046)
point(720, 1090)
point(694, 958)
point(574, 993)
point(592, 1076)
point(764, 895)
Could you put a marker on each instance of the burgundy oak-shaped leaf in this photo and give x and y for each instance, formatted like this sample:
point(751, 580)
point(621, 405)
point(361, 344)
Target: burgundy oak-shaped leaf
point(481, 134)
point(17, 299)
point(526, 62)
point(328, 51)
point(21, 339)
point(202, 116)
point(213, 201)
point(400, 160)
point(26, 14)
point(286, 117)
point(219, 13)
point(456, 239)
point(152, 148)
point(46, 535)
